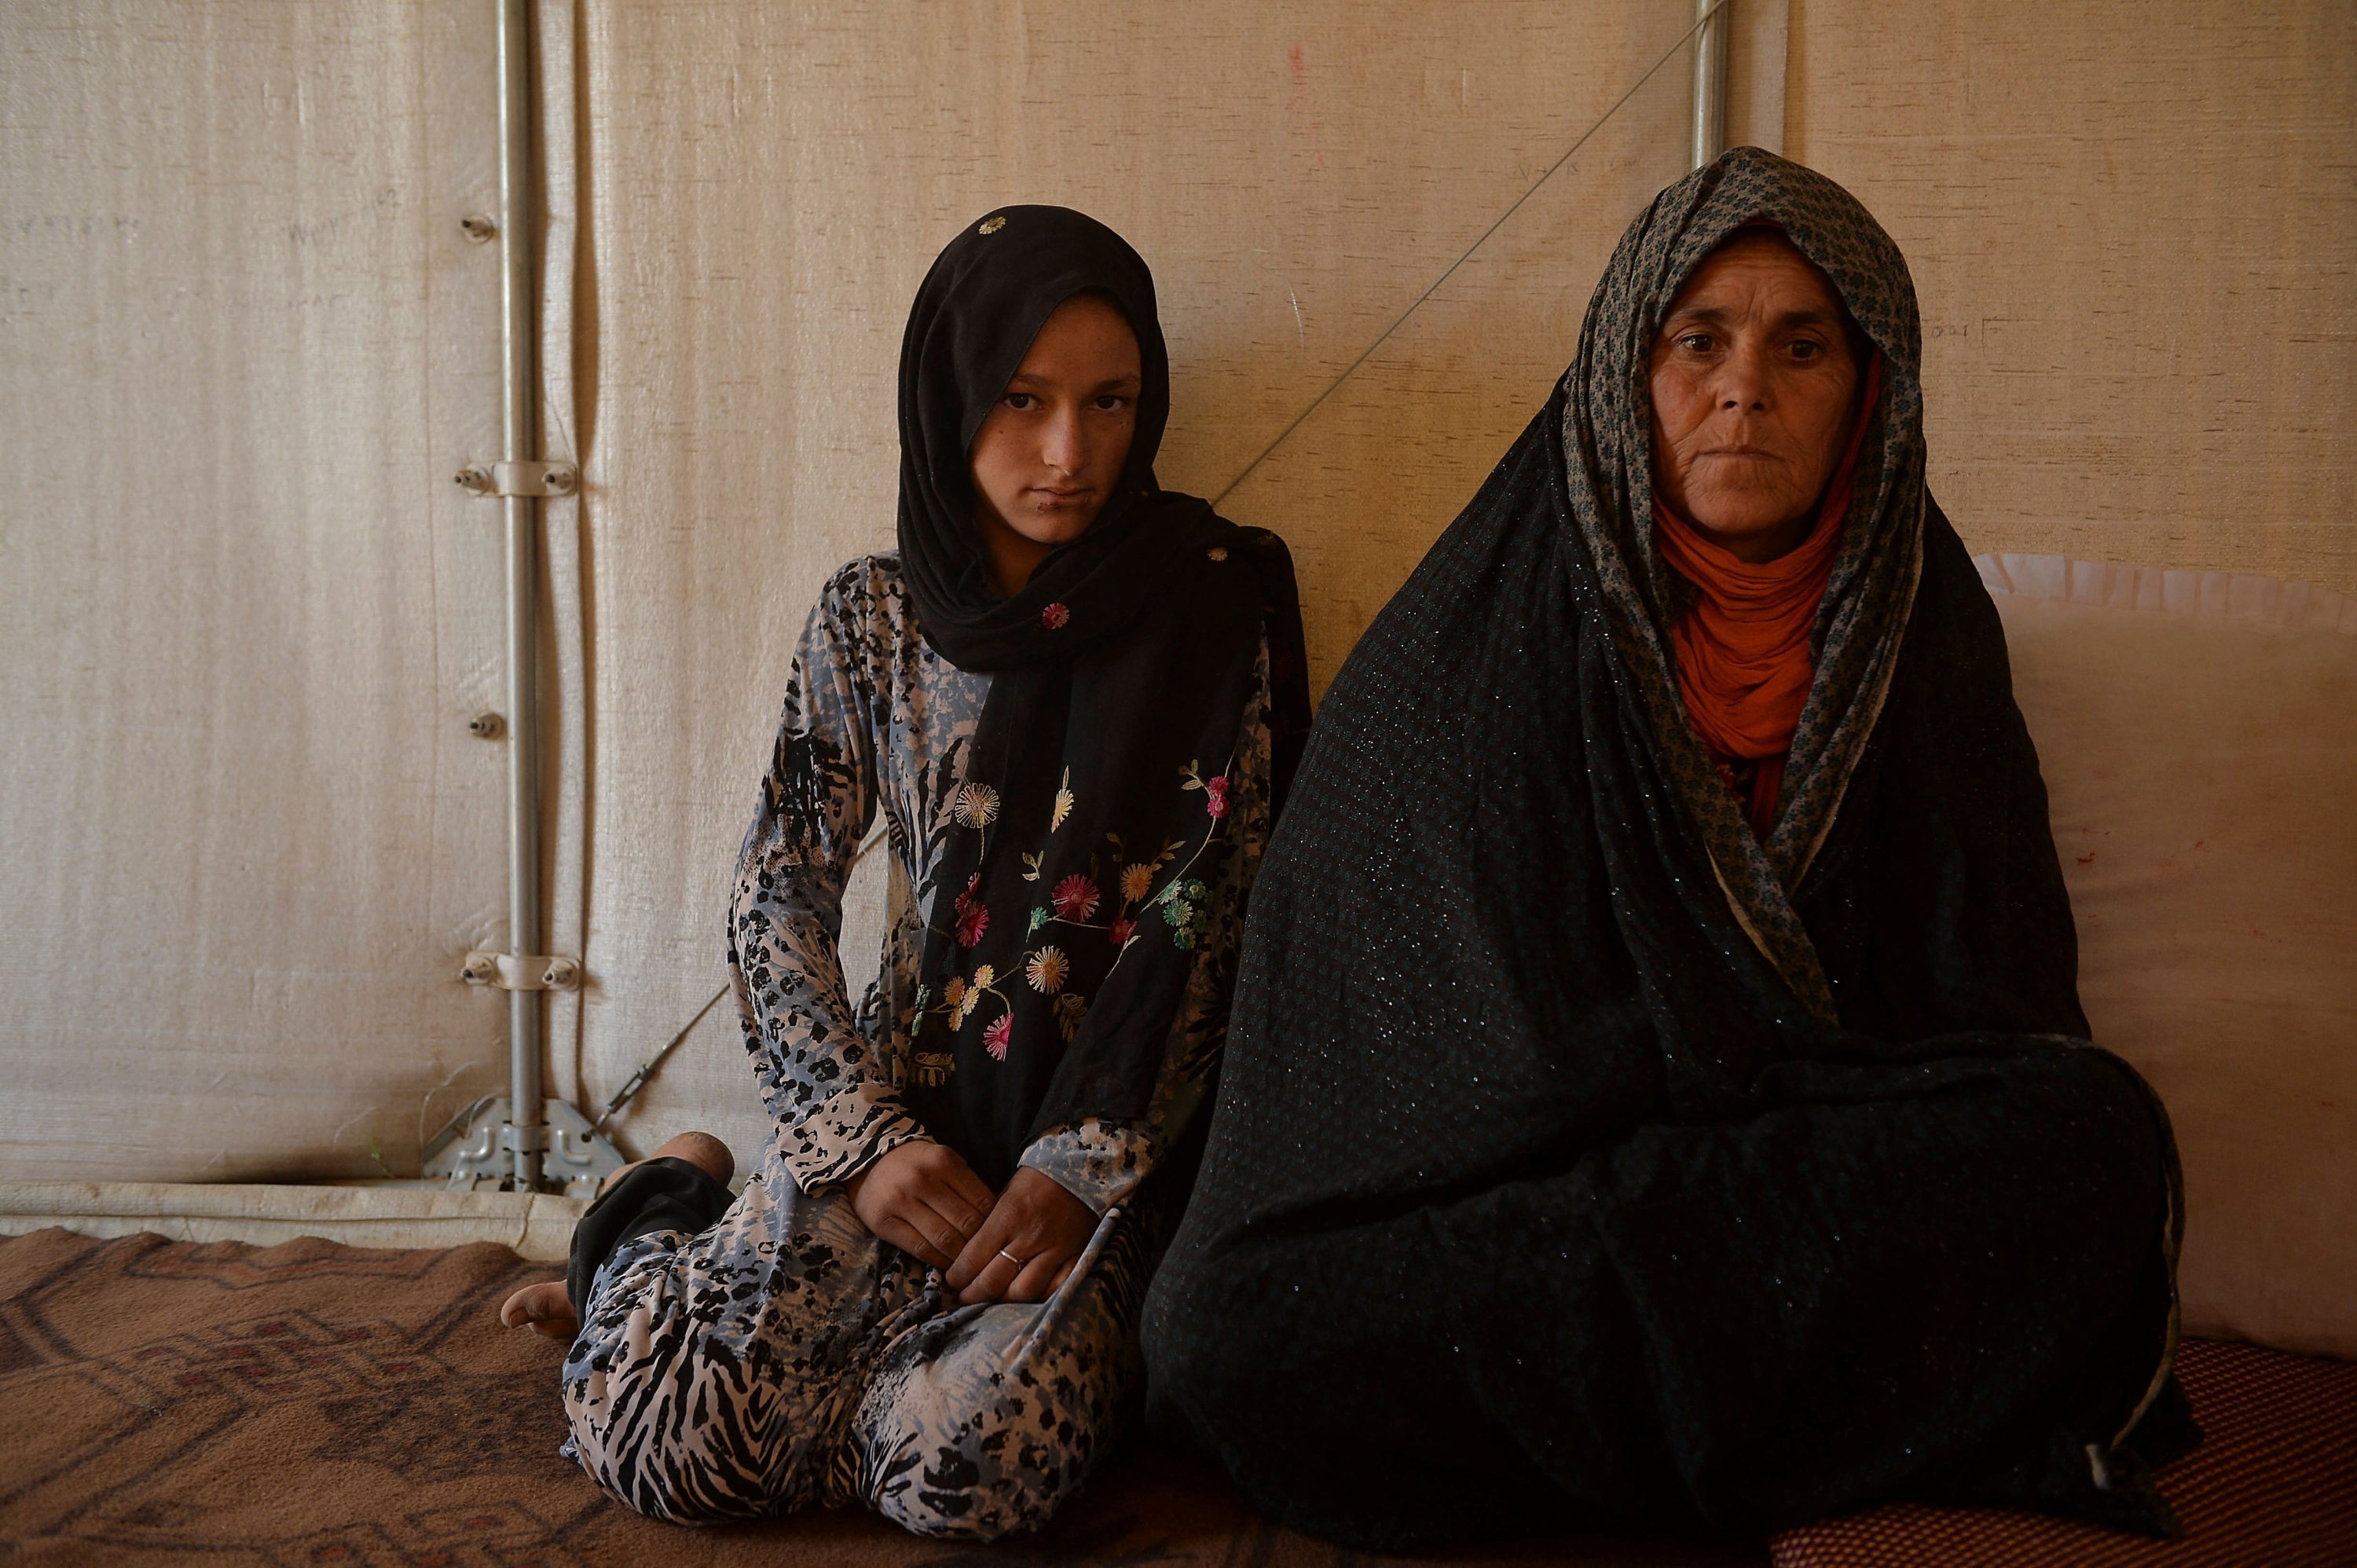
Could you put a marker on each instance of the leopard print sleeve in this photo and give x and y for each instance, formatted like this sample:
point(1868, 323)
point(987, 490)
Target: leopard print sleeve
point(1101, 1161)
point(833, 1102)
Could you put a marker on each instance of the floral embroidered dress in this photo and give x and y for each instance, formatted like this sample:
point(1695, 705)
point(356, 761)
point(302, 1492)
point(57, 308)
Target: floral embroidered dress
point(822, 1366)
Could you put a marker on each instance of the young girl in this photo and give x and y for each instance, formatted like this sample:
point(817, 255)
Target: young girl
point(1074, 697)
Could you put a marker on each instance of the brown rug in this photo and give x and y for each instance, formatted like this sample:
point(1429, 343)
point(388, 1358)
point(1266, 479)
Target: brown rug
point(312, 1404)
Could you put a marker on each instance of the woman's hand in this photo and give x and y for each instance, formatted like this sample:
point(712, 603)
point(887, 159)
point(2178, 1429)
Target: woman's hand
point(1026, 1246)
point(924, 1199)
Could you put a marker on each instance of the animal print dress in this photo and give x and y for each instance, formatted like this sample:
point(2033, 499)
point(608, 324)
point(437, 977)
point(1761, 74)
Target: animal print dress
point(785, 1358)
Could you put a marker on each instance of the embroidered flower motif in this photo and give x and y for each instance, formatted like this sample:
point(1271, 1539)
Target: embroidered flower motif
point(995, 1038)
point(1182, 906)
point(1075, 897)
point(1054, 616)
point(1137, 881)
point(1039, 918)
point(964, 1009)
point(1063, 803)
point(1215, 791)
point(953, 995)
point(1047, 969)
point(1217, 551)
point(976, 805)
point(973, 919)
point(992, 225)
point(1070, 1008)
point(1121, 931)
point(983, 974)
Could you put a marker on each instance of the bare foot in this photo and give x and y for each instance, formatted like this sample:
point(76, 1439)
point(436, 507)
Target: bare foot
point(545, 1307)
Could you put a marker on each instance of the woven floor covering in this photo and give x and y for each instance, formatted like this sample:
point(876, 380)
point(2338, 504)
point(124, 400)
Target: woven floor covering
point(2272, 1485)
point(311, 1405)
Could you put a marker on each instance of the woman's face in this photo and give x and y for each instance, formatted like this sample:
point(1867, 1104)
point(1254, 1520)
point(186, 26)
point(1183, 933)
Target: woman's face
point(1050, 452)
point(1754, 386)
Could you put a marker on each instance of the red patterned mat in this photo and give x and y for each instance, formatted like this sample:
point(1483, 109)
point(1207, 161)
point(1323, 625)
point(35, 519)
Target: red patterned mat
point(2272, 1485)
point(317, 1406)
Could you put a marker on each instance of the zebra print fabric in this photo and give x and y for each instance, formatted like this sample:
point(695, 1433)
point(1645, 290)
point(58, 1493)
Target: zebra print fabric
point(785, 1358)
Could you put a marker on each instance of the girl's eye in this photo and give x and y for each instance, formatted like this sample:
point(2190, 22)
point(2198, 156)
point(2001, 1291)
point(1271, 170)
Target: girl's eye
point(1112, 402)
point(1021, 403)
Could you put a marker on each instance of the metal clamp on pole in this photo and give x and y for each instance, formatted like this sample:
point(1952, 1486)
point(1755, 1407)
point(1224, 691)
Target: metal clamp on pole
point(524, 1136)
point(504, 479)
point(521, 971)
point(480, 1146)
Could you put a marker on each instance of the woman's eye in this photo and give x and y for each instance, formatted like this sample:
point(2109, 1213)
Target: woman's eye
point(1695, 342)
point(1803, 349)
point(1112, 402)
point(1021, 403)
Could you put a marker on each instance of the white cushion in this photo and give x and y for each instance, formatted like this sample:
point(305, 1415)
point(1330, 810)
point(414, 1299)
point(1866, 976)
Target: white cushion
point(2198, 731)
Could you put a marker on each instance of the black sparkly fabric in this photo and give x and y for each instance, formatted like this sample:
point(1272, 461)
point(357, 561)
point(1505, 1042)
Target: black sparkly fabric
point(1574, 1171)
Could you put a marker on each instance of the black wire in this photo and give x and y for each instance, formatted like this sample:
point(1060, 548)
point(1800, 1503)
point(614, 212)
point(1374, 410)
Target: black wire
point(1335, 385)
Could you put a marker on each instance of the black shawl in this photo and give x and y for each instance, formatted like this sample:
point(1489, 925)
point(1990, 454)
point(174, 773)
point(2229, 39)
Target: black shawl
point(1120, 673)
point(1582, 1160)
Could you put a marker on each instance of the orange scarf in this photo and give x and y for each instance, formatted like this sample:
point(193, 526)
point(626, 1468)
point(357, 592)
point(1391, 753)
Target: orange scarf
point(1744, 663)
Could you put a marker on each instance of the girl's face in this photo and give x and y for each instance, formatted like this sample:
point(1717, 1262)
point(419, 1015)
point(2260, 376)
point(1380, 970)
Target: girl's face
point(1051, 451)
point(1754, 394)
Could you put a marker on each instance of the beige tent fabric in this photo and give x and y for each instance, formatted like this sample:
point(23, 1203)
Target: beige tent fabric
point(2132, 229)
point(244, 838)
point(2198, 731)
point(537, 1225)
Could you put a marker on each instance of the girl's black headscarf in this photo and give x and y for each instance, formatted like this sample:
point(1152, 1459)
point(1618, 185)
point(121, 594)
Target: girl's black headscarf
point(1120, 674)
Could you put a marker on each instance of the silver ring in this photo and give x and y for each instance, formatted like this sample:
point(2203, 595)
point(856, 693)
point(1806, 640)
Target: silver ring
point(1010, 1257)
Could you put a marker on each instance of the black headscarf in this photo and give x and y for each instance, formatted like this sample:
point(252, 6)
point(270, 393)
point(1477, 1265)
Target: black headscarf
point(1120, 673)
point(1581, 1159)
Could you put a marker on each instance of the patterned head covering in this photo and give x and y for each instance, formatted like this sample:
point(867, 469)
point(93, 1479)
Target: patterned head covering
point(1607, 451)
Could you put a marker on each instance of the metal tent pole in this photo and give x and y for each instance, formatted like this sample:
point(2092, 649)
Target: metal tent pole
point(526, 1134)
point(1711, 19)
point(523, 1140)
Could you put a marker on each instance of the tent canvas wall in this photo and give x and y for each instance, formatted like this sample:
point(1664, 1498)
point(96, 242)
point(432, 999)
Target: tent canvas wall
point(244, 615)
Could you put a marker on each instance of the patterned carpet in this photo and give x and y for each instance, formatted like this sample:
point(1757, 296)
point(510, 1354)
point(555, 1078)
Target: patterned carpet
point(2274, 1485)
point(311, 1405)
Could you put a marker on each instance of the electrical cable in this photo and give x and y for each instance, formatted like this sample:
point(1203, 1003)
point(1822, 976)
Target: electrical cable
point(1335, 385)
point(638, 1080)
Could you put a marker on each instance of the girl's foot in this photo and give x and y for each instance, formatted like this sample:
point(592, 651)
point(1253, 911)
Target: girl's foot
point(545, 1307)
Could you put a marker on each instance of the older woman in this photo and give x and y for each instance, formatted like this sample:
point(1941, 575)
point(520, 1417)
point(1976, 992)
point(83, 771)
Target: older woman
point(1657, 1091)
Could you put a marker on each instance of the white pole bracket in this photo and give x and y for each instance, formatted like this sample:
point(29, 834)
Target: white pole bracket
point(477, 1151)
point(521, 971)
point(519, 480)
